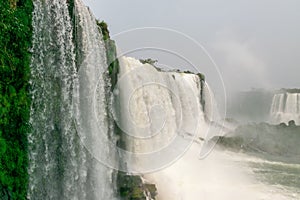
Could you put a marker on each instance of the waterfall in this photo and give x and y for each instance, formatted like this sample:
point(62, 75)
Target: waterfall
point(68, 111)
point(285, 107)
point(91, 103)
point(160, 114)
point(210, 105)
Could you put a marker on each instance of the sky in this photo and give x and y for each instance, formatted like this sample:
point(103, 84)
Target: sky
point(254, 43)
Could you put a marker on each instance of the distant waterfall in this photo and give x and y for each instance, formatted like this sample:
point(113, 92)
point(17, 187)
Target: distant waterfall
point(63, 112)
point(285, 107)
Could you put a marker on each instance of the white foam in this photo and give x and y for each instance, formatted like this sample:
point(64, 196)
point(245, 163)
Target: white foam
point(221, 176)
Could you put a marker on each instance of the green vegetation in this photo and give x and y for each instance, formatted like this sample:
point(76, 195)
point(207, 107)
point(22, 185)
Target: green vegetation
point(15, 41)
point(71, 9)
point(148, 61)
point(132, 187)
point(111, 53)
point(293, 90)
point(153, 63)
point(201, 76)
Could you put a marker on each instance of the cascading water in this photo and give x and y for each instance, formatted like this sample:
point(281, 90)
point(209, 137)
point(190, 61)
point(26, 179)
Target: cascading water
point(53, 167)
point(210, 105)
point(285, 107)
point(91, 102)
point(63, 111)
point(160, 112)
point(161, 116)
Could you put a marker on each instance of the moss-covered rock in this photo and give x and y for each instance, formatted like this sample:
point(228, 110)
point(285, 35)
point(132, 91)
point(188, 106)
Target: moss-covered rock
point(151, 189)
point(132, 187)
point(111, 53)
point(148, 61)
point(201, 76)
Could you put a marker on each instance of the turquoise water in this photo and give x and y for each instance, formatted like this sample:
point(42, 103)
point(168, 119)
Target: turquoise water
point(284, 176)
point(272, 153)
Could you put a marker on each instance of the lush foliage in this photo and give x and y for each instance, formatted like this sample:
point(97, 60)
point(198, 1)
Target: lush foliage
point(132, 187)
point(149, 61)
point(15, 41)
point(111, 53)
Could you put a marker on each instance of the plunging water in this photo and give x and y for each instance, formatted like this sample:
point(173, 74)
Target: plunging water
point(285, 107)
point(63, 111)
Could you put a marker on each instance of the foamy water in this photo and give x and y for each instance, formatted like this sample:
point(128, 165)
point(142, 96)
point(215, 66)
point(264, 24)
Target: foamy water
point(221, 175)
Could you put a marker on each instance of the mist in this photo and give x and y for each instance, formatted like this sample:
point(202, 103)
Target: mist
point(254, 43)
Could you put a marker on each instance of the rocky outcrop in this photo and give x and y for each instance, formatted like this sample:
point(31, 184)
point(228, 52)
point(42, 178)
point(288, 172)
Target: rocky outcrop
point(280, 141)
point(132, 187)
